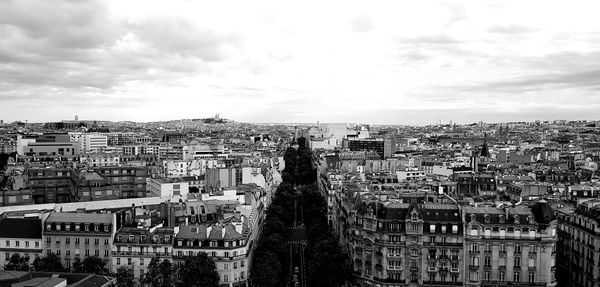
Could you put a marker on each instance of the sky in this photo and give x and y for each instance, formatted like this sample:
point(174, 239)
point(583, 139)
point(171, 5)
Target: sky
point(388, 62)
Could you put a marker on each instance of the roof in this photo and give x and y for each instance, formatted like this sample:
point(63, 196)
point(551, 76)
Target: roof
point(21, 228)
point(105, 218)
point(40, 282)
point(213, 232)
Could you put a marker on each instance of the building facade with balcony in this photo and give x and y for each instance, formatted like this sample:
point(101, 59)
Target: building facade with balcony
point(226, 244)
point(510, 246)
point(403, 244)
point(579, 244)
point(78, 235)
point(135, 247)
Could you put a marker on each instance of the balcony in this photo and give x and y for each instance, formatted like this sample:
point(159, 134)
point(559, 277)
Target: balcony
point(454, 270)
point(414, 269)
point(394, 255)
point(395, 268)
point(432, 269)
point(474, 267)
point(443, 257)
point(473, 251)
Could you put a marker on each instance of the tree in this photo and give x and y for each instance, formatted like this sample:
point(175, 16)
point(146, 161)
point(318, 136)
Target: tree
point(95, 265)
point(266, 270)
point(77, 266)
point(199, 271)
point(124, 277)
point(159, 274)
point(49, 263)
point(18, 263)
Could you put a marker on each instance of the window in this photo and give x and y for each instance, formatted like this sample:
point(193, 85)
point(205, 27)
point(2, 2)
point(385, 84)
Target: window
point(225, 278)
point(502, 247)
point(517, 276)
point(517, 261)
point(488, 247)
point(7, 243)
point(68, 252)
point(443, 228)
point(67, 240)
point(142, 261)
point(455, 229)
point(501, 276)
point(474, 247)
point(531, 277)
point(486, 275)
point(7, 256)
point(37, 244)
point(87, 252)
point(16, 243)
point(517, 248)
point(487, 262)
point(97, 252)
point(225, 266)
point(475, 261)
point(118, 261)
point(128, 261)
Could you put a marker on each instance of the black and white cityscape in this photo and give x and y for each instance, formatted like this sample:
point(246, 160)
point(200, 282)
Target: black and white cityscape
point(299, 144)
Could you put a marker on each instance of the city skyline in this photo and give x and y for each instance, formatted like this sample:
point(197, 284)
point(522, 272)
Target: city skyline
point(385, 62)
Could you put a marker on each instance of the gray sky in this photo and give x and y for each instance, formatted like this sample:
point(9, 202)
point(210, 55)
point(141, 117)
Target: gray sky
point(407, 62)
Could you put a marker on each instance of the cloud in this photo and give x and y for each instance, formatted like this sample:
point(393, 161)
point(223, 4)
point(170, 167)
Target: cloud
point(78, 46)
point(510, 29)
point(362, 24)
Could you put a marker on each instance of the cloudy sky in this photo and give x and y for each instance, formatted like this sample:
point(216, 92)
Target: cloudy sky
point(408, 62)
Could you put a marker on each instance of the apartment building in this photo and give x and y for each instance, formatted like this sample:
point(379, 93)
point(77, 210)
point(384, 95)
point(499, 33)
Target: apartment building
point(579, 244)
point(52, 185)
point(127, 181)
point(135, 247)
point(78, 235)
point(395, 244)
point(227, 244)
point(100, 159)
point(21, 236)
point(510, 245)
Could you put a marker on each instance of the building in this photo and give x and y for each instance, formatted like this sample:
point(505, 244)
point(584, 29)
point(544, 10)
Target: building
point(579, 244)
point(135, 247)
point(100, 159)
point(476, 184)
point(510, 245)
point(127, 181)
point(46, 145)
point(21, 236)
point(396, 244)
point(227, 244)
point(78, 235)
point(52, 185)
point(410, 174)
point(384, 147)
point(167, 187)
point(89, 142)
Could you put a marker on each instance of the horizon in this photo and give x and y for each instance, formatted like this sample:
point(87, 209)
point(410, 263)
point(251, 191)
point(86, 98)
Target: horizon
point(387, 62)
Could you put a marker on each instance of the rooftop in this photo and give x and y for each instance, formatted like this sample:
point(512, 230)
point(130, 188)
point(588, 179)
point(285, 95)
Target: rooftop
point(105, 218)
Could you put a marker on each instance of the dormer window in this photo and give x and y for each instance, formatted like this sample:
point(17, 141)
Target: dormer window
point(502, 219)
point(473, 218)
point(414, 216)
point(487, 218)
point(516, 219)
point(531, 220)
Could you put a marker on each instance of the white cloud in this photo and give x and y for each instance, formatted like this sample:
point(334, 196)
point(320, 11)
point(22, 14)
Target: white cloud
point(274, 61)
